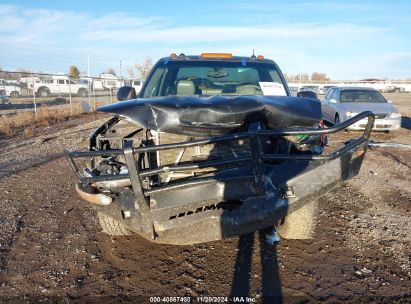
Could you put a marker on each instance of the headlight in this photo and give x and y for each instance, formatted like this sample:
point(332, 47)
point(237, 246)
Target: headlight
point(395, 115)
point(350, 114)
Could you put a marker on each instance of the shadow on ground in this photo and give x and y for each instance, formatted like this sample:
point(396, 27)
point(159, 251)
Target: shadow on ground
point(270, 289)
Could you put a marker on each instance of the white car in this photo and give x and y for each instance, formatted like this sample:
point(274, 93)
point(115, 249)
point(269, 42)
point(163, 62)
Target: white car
point(342, 103)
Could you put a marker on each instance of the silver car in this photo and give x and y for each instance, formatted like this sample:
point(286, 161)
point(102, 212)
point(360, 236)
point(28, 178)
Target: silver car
point(342, 103)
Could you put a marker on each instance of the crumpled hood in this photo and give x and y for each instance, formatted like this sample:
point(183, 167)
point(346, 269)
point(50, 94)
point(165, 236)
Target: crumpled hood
point(205, 116)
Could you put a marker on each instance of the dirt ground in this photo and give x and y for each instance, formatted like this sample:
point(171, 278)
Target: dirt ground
point(51, 247)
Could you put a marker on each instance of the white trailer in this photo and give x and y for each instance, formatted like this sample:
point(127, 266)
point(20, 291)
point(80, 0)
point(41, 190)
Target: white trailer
point(137, 84)
point(107, 82)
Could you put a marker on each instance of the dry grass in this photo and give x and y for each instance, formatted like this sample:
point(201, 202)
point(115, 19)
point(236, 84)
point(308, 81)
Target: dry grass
point(27, 132)
point(26, 121)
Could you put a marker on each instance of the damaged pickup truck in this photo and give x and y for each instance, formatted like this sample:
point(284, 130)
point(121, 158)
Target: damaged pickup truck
point(213, 146)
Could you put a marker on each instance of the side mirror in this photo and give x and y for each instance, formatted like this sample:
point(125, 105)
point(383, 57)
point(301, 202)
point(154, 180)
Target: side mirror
point(307, 94)
point(389, 101)
point(332, 100)
point(126, 93)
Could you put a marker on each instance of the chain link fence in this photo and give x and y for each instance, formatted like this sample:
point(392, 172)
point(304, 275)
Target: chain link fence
point(31, 97)
point(27, 97)
point(32, 91)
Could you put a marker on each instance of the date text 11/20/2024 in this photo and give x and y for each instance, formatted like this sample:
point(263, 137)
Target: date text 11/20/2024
point(234, 299)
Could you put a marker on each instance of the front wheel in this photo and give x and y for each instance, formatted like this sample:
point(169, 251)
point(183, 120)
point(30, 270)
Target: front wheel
point(112, 226)
point(299, 224)
point(14, 94)
point(43, 93)
point(82, 93)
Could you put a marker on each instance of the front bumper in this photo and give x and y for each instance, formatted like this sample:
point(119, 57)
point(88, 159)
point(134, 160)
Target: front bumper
point(261, 190)
point(387, 124)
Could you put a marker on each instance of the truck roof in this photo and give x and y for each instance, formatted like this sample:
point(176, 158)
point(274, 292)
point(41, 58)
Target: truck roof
point(216, 57)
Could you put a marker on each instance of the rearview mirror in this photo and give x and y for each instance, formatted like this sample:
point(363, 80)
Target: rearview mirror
point(389, 101)
point(332, 100)
point(307, 94)
point(126, 93)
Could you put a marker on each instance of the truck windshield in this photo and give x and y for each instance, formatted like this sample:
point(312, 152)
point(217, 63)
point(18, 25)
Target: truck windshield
point(188, 78)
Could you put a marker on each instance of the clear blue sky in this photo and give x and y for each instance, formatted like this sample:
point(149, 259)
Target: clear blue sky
point(345, 39)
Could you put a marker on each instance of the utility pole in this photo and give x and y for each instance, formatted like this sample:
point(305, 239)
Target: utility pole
point(34, 97)
point(121, 77)
point(88, 82)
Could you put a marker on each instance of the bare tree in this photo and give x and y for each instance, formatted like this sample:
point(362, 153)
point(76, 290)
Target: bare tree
point(291, 77)
point(130, 72)
point(316, 76)
point(145, 67)
point(304, 77)
point(110, 71)
point(2, 73)
point(297, 77)
point(74, 72)
point(24, 72)
point(287, 76)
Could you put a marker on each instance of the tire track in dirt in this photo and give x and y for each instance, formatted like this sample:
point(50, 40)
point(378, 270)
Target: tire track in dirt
point(20, 154)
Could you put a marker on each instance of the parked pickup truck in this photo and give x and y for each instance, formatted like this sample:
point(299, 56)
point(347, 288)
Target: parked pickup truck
point(59, 86)
point(394, 89)
point(213, 146)
point(9, 89)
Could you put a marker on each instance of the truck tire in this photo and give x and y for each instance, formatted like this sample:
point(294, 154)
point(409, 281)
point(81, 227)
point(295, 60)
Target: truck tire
point(82, 92)
point(43, 92)
point(299, 224)
point(14, 94)
point(112, 226)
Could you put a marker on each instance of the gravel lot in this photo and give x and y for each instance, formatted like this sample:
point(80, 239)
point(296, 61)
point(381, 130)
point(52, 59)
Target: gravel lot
point(51, 247)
